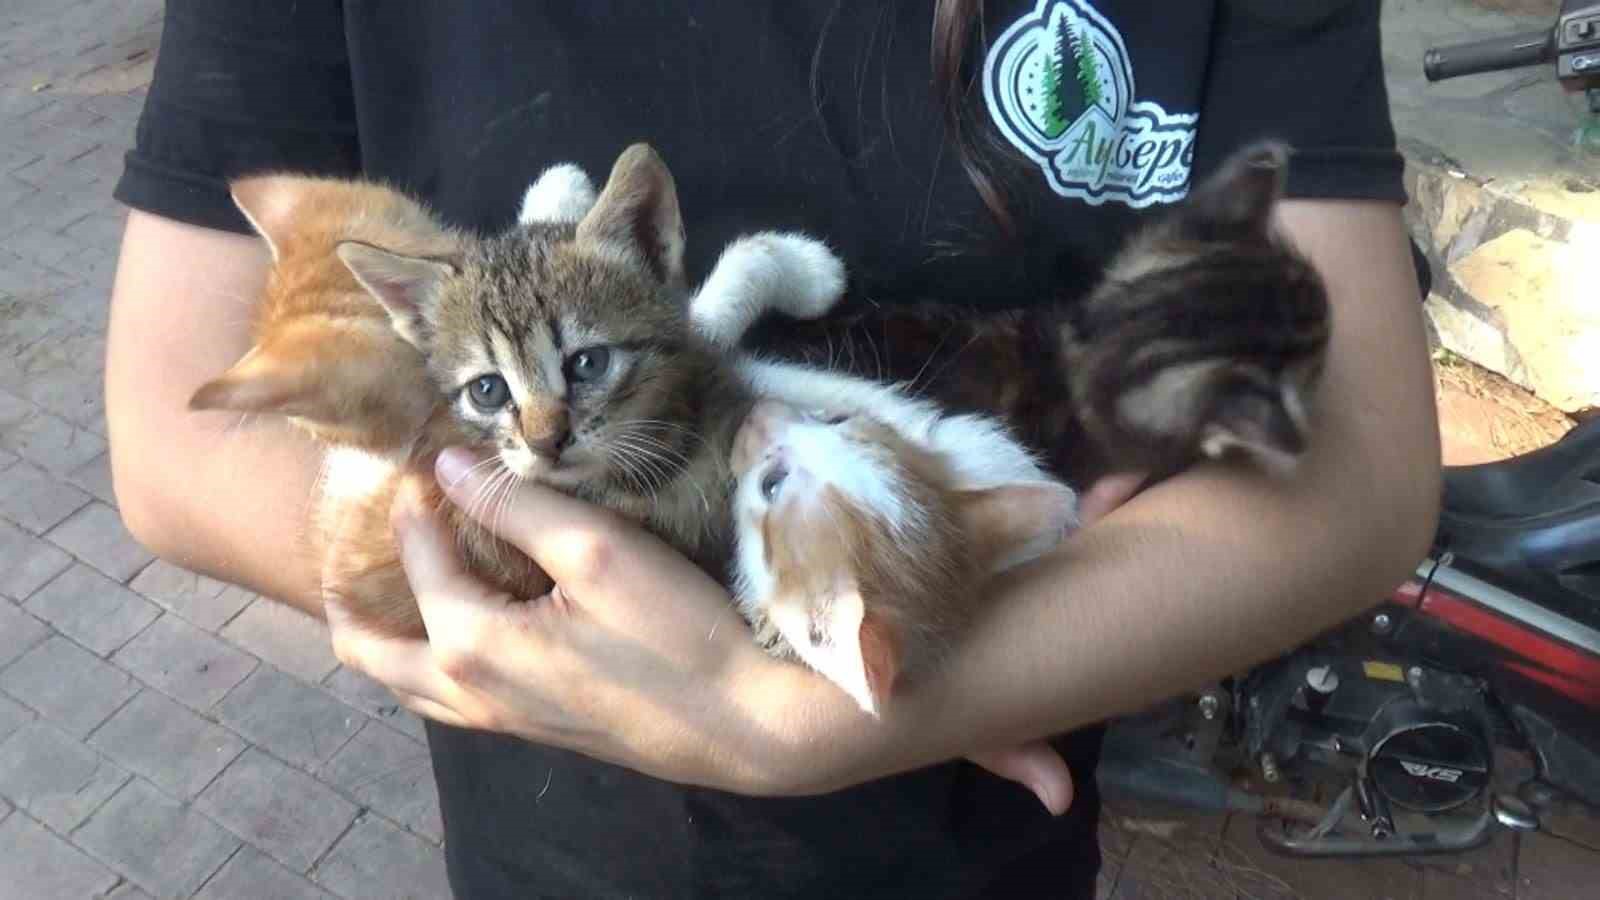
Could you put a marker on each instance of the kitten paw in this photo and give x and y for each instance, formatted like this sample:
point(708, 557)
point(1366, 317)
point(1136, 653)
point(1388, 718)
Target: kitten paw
point(562, 194)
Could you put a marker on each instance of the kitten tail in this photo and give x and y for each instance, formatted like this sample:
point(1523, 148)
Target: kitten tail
point(563, 194)
point(788, 273)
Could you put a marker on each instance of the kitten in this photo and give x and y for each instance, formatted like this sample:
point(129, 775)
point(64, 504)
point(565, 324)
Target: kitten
point(560, 350)
point(1203, 339)
point(880, 515)
point(863, 545)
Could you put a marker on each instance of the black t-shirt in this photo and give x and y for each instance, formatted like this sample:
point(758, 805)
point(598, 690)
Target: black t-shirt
point(809, 114)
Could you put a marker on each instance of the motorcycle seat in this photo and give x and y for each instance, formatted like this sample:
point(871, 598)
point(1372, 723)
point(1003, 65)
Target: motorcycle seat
point(1534, 519)
point(1562, 477)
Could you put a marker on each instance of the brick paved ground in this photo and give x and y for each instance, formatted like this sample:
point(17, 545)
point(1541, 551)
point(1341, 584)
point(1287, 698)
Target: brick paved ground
point(163, 734)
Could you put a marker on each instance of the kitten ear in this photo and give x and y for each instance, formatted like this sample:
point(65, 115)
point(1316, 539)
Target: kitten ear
point(844, 643)
point(293, 375)
point(405, 285)
point(1259, 415)
point(360, 385)
point(1016, 523)
point(637, 213)
point(1242, 194)
point(269, 203)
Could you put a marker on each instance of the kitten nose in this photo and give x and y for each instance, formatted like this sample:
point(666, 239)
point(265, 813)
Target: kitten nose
point(547, 430)
point(551, 444)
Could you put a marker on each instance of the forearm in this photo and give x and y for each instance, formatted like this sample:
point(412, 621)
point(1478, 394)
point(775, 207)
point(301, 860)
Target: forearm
point(220, 494)
point(1197, 578)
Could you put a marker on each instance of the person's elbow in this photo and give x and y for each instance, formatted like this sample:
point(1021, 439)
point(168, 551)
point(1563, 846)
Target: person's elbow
point(1395, 518)
point(152, 510)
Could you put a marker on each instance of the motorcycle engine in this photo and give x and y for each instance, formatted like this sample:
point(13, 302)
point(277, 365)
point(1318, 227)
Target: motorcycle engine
point(1421, 736)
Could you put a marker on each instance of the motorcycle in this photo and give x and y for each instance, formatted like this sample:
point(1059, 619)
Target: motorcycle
point(1467, 701)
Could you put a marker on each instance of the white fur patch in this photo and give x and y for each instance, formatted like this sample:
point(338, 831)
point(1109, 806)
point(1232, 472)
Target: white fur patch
point(562, 194)
point(784, 272)
point(350, 475)
point(980, 450)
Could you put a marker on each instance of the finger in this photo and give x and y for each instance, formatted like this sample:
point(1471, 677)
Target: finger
point(450, 598)
point(1037, 766)
point(431, 710)
point(1107, 494)
point(575, 542)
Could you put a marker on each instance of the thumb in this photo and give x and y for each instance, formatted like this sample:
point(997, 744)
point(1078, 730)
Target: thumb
point(1038, 767)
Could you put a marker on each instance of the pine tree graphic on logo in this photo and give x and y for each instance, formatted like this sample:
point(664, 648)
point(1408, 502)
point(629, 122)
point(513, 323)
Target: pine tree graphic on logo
point(1070, 81)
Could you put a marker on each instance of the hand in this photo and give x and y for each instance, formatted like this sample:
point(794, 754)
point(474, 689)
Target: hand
point(1036, 765)
point(636, 657)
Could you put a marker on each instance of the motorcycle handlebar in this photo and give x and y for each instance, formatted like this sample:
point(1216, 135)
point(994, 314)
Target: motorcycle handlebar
point(1491, 55)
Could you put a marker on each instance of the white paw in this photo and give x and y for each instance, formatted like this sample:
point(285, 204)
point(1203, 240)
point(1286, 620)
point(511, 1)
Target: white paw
point(815, 276)
point(562, 194)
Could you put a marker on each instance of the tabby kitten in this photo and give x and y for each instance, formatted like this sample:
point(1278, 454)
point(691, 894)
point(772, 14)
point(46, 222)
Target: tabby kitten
point(561, 351)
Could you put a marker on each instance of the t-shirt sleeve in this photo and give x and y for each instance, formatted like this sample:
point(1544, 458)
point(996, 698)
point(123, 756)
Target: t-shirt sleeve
point(1310, 73)
point(240, 86)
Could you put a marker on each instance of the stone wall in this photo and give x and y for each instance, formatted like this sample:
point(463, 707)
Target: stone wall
point(1516, 276)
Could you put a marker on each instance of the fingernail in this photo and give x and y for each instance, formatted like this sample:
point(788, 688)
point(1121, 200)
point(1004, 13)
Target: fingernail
point(453, 465)
point(1045, 797)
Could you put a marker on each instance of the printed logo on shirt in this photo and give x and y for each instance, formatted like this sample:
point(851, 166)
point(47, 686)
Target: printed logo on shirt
point(1059, 85)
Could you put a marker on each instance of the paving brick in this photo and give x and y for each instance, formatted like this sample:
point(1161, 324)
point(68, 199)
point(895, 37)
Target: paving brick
point(375, 700)
point(23, 325)
point(35, 500)
point(251, 875)
point(285, 637)
point(167, 849)
point(37, 864)
point(27, 563)
point(390, 773)
point(96, 535)
point(202, 601)
point(64, 375)
point(126, 891)
point(13, 715)
point(71, 687)
point(298, 723)
point(87, 303)
point(92, 609)
point(19, 632)
point(94, 476)
point(45, 248)
point(51, 442)
point(375, 859)
point(55, 778)
point(286, 813)
point(160, 740)
point(182, 661)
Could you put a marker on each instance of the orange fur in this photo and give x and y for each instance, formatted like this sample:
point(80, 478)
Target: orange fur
point(326, 356)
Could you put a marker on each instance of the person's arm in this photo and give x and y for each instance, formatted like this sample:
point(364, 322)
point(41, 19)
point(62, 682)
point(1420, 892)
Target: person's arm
point(637, 658)
point(208, 491)
point(1203, 575)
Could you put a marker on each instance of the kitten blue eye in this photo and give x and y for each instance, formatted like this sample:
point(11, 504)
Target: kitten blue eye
point(773, 480)
point(589, 364)
point(489, 393)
